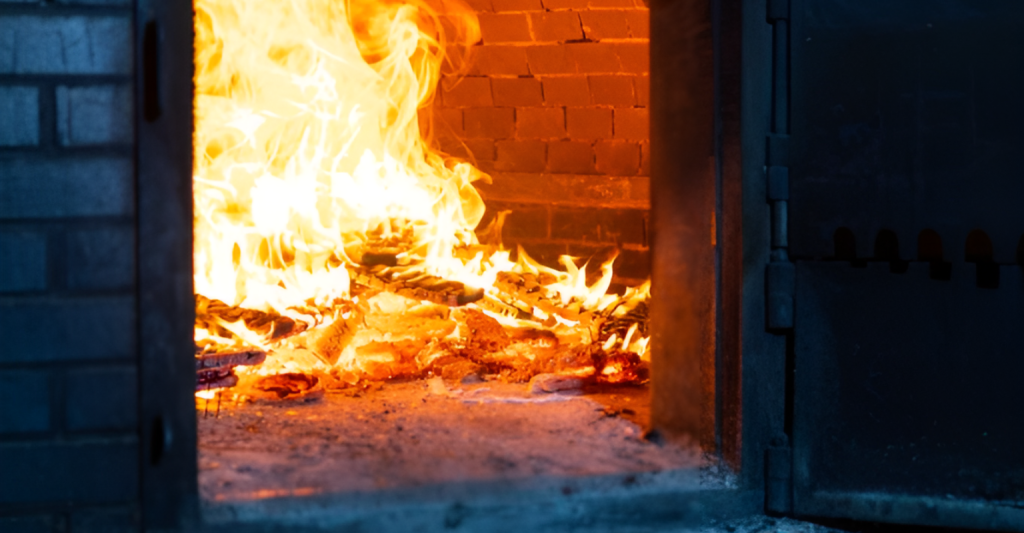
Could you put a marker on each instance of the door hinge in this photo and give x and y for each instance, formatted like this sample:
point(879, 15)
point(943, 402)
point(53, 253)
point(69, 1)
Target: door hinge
point(778, 10)
point(778, 490)
point(780, 275)
point(777, 150)
point(781, 286)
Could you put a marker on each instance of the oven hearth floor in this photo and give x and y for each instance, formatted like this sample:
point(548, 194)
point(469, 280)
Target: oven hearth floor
point(414, 434)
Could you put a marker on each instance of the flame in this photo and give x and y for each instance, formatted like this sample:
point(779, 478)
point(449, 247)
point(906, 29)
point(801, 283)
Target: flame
point(309, 153)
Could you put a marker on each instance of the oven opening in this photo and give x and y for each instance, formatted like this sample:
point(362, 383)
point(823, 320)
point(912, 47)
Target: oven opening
point(421, 245)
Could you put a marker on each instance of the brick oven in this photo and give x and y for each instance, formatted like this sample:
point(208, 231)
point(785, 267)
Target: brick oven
point(555, 108)
point(825, 196)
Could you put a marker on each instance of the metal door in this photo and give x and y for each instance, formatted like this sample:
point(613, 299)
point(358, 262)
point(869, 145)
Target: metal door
point(906, 232)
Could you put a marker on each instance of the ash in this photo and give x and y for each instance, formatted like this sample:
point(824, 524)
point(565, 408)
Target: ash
point(421, 433)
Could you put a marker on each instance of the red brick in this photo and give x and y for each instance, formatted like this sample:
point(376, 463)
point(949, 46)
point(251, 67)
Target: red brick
point(594, 57)
point(571, 90)
point(645, 159)
point(570, 157)
point(550, 59)
point(479, 6)
point(605, 24)
point(612, 90)
point(634, 264)
point(610, 3)
point(640, 186)
point(639, 21)
point(634, 57)
point(599, 224)
point(453, 146)
point(545, 253)
point(588, 123)
point(446, 122)
point(516, 5)
point(540, 123)
point(565, 4)
point(504, 28)
point(526, 221)
point(481, 149)
point(520, 156)
point(489, 122)
point(472, 149)
point(643, 90)
point(617, 158)
point(497, 59)
point(466, 92)
point(632, 123)
point(516, 91)
point(558, 26)
point(452, 23)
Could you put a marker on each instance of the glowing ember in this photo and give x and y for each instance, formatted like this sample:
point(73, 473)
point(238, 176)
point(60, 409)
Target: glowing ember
point(328, 232)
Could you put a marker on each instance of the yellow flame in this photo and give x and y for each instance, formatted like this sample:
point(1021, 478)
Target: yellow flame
point(309, 149)
point(303, 146)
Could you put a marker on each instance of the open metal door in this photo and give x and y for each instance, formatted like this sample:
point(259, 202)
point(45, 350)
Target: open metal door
point(906, 232)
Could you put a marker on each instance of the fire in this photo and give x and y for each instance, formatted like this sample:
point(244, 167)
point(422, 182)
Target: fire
point(316, 194)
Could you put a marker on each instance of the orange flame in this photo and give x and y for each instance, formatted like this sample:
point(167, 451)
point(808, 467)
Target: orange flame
point(308, 150)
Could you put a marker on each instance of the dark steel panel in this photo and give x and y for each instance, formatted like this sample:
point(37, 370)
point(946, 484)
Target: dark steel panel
point(167, 368)
point(905, 116)
point(909, 395)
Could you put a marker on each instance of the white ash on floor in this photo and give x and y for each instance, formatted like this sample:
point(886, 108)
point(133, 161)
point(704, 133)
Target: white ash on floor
point(422, 433)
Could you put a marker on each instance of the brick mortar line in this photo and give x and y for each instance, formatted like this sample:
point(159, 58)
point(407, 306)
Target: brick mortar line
point(56, 151)
point(56, 224)
point(588, 106)
point(559, 175)
point(48, 127)
point(70, 364)
point(569, 203)
point(57, 292)
point(53, 10)
point(18, 300)
point(565, 9)
point(119, 436)
point(537, 202)
point(524, 44)
point(631, 246)
point(72, 80)
point(552, 75)
point(61, 510)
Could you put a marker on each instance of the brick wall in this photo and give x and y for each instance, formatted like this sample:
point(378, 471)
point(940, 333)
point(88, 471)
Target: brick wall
point(69, 452)
point(555, 108)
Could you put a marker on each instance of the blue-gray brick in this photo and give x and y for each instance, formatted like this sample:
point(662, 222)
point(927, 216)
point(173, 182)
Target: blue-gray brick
point(104, 521)
point(63, 330)
point(65, 45)
point(65, 187)
point(101, 258)
point(24, 401)
point(101, 398)
point(28, 524)
point(97, 2)
point(22, 261)
point(94, 472)
point(19, 116)
point(94, 115)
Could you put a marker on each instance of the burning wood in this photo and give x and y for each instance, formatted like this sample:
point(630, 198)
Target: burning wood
point(333, 241)
point(217, 370)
